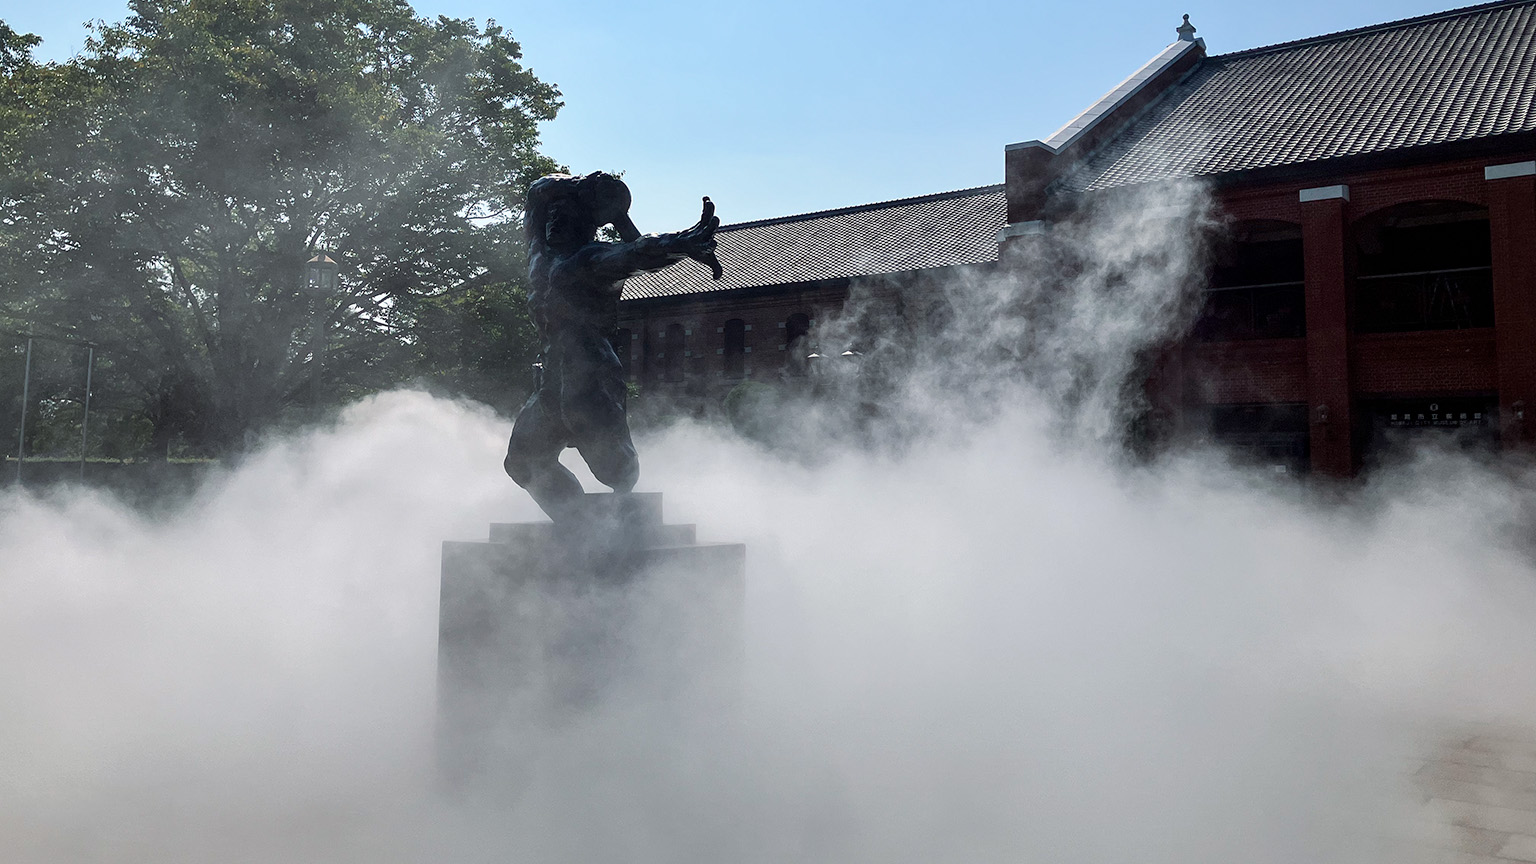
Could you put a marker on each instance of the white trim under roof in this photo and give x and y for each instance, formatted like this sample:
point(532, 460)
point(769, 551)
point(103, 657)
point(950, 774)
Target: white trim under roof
point(1509, 169)
point(1324, 193)
point(1083, 123)
point(1021, 229)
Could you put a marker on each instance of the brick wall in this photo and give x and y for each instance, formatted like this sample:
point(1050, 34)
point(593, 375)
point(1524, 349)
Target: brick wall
point(1432, 361)
point(766, 353)
point(1460, 180)
point(1337, 366)
point(1261, 370)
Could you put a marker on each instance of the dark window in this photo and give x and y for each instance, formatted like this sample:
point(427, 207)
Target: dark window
point(797, 342)
point(1424, 266)
point(1272, 435)
point(735, 348)
point(620, 340)
point(672, 353)
point(1256, 289)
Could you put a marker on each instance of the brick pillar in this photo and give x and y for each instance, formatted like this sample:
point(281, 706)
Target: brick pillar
point(1165, 393)
point(1512, 225)
point(1027, 171)
point(1326, 255)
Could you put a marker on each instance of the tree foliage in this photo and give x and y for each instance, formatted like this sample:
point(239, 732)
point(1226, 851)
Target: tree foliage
point(164, 189)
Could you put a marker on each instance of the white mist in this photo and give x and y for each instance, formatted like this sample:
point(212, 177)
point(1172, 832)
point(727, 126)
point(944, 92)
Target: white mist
point(993, 639)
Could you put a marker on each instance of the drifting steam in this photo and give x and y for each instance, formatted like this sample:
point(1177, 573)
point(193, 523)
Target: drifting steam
point(995, 641)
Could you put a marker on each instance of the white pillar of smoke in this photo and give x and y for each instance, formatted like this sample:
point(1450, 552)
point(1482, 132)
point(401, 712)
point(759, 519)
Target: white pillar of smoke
point(987, 644)
point(1070, 324)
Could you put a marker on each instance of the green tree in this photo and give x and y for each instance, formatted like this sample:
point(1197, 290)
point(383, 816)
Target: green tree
point(167, 186)
point(479, 343)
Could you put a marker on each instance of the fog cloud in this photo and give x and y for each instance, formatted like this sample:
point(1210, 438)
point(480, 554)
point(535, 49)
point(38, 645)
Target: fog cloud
point(1000, 640)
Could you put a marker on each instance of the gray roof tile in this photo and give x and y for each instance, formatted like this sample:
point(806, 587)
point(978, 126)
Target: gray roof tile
point(1454, 76)
point(889, 237)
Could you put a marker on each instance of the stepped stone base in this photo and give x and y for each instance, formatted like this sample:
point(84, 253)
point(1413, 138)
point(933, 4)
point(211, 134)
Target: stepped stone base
point(541, 623)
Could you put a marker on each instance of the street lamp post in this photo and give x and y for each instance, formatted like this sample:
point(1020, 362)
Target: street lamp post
point(85, 410)
point(320, 275)
point(26, 386)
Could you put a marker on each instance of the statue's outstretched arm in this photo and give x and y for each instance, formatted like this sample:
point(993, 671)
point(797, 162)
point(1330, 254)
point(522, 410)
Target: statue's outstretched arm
point(615, 261)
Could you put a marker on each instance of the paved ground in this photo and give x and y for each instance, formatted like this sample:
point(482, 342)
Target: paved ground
point(1479, 799)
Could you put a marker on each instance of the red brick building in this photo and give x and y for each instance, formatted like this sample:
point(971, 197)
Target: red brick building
point(691, 336)
point(1378, 279)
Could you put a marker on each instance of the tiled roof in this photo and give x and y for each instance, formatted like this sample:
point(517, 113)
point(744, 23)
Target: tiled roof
point(1453, 76)
point(913, 233)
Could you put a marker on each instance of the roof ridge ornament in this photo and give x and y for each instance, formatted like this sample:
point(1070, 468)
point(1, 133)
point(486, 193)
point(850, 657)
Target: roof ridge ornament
point(1186, 30)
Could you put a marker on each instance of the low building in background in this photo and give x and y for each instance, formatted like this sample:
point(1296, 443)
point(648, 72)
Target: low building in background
point(690, 336)
point(1375, 280)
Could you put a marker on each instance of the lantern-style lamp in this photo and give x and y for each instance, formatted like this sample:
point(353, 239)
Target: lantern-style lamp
point(320, 273)
point(320, 277)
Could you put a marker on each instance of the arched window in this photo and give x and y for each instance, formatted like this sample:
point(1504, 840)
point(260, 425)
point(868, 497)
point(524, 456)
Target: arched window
point(735, 348)
point(1426, 265)
point(1256, 289)
point(797, 339)
point(620, 340)
point(672, 353)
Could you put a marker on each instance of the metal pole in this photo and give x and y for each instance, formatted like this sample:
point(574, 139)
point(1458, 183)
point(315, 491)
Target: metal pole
point(26, 384)
point(314, 371)
point(85, 414)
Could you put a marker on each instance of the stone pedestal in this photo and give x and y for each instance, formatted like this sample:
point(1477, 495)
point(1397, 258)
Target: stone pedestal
point(540, 624)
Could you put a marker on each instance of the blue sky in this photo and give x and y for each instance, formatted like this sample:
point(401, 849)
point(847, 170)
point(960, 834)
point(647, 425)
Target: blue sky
point(774, 109)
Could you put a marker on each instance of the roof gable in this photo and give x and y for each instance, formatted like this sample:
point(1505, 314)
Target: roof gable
point(1122, 96)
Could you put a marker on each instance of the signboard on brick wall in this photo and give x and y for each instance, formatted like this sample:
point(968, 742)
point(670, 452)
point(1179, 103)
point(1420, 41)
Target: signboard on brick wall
point(1434, 413)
